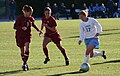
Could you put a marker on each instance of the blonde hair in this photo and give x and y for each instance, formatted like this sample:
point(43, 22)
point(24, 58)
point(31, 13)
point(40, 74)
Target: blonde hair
point(83, 12)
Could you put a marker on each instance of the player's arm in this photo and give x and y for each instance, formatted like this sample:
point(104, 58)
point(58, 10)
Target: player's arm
point(17, 24)
point(81, 34)
point(53, 29)
point(35, 26)
point(40, 32)
point(99, 28)
point(50, 28)
point(41, 28)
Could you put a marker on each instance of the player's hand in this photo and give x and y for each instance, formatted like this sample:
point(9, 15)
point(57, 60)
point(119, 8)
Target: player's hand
point(79, 42)
point(97, 34)
point(40, 32)
point(44, 24)
point(24, 28)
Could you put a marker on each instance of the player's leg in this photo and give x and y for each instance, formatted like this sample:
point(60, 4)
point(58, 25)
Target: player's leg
point(23, 57)
point(96, 53)
point(95, 42)
point(26, 56)
point(24, 66)
point(88, 51)
point(63, 52)
point(26, 53)
point(46, 40)
point(22, 53)
point(20, 44)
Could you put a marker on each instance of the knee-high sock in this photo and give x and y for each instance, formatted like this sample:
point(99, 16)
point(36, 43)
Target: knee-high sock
point(96, 53)
point(63, 52)
point(86, 58)
point(46, 52)
point(26, 55)
point(22, 56)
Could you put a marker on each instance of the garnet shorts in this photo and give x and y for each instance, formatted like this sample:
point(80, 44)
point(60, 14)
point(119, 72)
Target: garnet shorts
point(55, 37)
point(21, 40)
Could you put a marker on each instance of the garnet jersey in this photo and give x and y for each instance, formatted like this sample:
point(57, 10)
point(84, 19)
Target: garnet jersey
point(22, 21)
point(51, 23)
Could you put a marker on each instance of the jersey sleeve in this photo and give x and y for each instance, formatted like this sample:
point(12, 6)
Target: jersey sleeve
point(42, 20)
point(99, 27)
point(33, 24)
point(54, 22)
point(81, 32)
point(17, 24)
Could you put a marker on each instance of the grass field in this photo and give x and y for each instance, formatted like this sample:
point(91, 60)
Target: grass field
point(10, 60)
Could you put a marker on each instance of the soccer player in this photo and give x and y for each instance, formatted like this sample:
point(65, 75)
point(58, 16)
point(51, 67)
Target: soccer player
point(51, 34)
point(90, 29)
point(23, 33)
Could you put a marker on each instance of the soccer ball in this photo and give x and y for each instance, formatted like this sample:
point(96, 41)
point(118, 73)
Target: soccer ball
point(85, 67)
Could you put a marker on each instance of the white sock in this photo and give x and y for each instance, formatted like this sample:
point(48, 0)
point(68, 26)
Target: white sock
point(86, 58)
point(96, 53)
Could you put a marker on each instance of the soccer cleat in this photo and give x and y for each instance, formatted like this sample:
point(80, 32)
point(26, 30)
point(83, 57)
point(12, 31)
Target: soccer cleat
point(25, 67)
point(67, 62)
point(104, 55)
point(46, 60)
point(80, 70)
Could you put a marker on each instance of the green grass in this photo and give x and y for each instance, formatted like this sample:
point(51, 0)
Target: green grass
point(10, 60)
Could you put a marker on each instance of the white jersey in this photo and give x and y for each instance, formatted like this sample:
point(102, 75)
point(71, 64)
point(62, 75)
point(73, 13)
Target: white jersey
point(89, 29)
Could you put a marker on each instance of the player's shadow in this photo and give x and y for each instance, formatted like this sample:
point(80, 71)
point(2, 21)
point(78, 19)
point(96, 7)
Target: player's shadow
point(47, 67)
point(68, 73)
point(111, 61)
point(100, 34)
point(21, 71)
point(111, 29)
point(110, 34)
point(10, 72)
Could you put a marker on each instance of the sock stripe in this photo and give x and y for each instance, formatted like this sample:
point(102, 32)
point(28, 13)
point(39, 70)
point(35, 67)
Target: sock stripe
point(26, 55)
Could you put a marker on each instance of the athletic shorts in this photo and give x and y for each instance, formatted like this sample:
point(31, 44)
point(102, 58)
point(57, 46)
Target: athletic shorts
point(55, 37)
point(21, 40)
point(92, 41)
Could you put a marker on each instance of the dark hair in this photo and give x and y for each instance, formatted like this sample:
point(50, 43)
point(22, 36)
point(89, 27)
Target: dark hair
point(47, 9)
point(27, 8)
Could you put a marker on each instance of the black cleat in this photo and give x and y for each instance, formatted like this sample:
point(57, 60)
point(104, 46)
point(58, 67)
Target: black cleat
point(104, 55)
point(80, 70)
point(67, 62)
point(25, 67)
point(46, 60)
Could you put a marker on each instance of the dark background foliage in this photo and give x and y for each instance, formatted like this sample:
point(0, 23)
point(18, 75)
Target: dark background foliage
point(38, 5)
